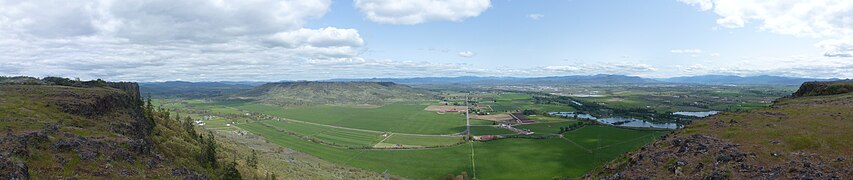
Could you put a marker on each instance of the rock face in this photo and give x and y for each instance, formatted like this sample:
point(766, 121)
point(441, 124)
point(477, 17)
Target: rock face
point(91, 132)
point(824, 88)
point(131, 88)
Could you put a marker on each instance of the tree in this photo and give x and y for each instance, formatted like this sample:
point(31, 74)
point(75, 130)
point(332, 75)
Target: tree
point(230, 172)
point(252, 161)
point(208, 150)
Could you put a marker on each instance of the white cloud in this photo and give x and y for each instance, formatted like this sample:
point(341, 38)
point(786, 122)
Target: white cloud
point(600, 68)
point(467, 54)
point(535, 16)
point(793, 66)
point(715, 54)
point(410, 12)
point(157, 20)
point(825, 19)
point(703, 5)
point(325, 37)
point(686, 51)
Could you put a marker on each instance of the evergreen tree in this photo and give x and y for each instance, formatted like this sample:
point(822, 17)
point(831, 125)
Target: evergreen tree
point(230, 172)
point(252, 161)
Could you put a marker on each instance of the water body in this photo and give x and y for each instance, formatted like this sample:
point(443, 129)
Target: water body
point(696, 114)
point(633, 122)
point(572, 115)
point(620, 121)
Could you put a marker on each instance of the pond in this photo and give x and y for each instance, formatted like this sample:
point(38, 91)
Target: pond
point(696, 114)
point(633, 122)
point(572, 115)
point(620, 121)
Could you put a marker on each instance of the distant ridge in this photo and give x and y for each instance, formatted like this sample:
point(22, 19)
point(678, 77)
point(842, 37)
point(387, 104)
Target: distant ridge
point(739, 80)
point(300, 93)
point(186, 89)
point(476, 80)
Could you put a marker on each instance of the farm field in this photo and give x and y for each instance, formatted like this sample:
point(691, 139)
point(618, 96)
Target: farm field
point(596, 137)
point(397, 117)
point(547, 128)
point(422, 141)
point(335, 136)
point(489, 130)
point(499, 159)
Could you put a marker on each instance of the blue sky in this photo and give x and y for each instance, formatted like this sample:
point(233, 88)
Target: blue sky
point(202, 40)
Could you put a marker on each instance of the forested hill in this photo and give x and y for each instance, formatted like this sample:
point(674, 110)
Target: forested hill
point(314, 93)
point(57, 128)
point(800, 137)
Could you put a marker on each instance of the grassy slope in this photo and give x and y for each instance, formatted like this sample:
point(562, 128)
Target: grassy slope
point(316, 93)
point(813, 130)
point(31, 108)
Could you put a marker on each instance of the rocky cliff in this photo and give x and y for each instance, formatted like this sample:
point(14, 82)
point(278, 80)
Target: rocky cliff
point(58, 132)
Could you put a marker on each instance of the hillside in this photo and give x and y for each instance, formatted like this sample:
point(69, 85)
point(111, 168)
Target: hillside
point(824, 88)
point(95, 130)
point(314, 93)
point(804, 137)
point(182, 89)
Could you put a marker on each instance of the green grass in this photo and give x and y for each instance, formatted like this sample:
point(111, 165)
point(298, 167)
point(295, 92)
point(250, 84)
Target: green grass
point(547, 128)
point(398, 117)
point(512, 96)
point(489, 130)
point(343, 137)
point(425, 141)
point(500, 159)
point(420, 164)
point(593, 137)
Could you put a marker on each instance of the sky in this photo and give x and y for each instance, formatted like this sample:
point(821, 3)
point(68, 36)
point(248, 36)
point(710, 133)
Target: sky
point(270, 40)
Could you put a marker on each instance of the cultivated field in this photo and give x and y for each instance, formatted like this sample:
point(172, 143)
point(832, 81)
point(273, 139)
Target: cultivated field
point(408, 141)
point(398, 117)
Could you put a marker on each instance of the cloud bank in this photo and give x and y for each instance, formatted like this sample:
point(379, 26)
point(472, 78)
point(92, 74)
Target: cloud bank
point(411, 12)
point(829, 20)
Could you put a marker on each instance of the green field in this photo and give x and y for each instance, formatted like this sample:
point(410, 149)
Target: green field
point(500, 159)
point(595, 137)
point(489, 130)
point(398, 117)
point(345, 134)
point(422, 141)
point(336, 136)
point(547, 128)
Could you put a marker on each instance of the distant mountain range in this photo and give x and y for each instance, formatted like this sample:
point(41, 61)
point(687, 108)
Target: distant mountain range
point(209, 89)
point(475, 80)
point(602, 79)
point(750, 80)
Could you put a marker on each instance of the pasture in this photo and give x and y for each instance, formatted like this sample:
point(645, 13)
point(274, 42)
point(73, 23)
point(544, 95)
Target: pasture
point(499, 159)
point(356, 136)
point(397, 117)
